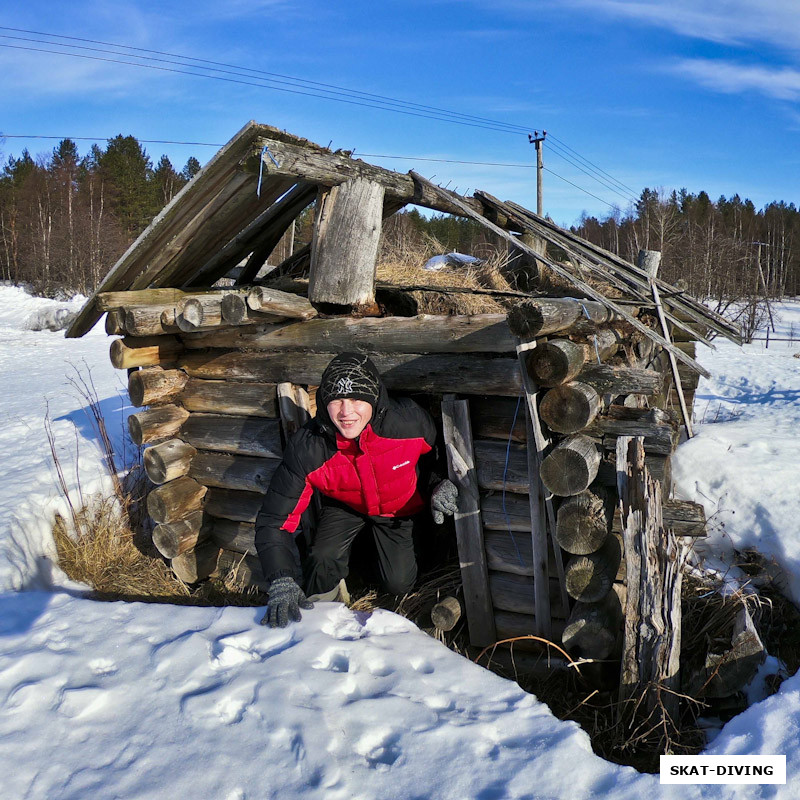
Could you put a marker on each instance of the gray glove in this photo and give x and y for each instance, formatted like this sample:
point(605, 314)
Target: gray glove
point(286, 599)
point(444, 500)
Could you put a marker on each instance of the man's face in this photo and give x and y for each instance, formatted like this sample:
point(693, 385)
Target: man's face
point(350, 416)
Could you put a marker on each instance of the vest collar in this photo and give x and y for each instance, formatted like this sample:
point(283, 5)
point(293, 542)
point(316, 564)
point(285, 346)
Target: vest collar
point(366, 436)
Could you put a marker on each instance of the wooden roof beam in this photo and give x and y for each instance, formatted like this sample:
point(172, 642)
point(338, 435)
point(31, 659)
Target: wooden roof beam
point(324, 167)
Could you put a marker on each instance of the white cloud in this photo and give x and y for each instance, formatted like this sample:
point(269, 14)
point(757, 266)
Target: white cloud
point(47, 74)
point(725, 21)
point(781, 83)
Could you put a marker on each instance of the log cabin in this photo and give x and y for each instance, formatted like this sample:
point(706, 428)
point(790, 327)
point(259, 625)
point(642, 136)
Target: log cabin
point(559, 416)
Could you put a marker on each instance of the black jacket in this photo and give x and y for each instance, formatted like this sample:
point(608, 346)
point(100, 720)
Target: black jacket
point(378, 474)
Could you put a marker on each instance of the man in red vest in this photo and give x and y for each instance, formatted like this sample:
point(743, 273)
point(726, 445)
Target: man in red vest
point(362, 454)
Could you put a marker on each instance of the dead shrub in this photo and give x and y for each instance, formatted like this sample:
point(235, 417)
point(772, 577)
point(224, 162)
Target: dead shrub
point(101, 553)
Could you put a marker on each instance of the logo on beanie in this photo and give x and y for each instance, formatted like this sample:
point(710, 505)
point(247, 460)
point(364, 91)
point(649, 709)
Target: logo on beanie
point(343, 386)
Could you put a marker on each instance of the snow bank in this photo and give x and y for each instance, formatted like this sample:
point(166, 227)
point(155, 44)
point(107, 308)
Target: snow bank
point(41, 375)
point(22, 311)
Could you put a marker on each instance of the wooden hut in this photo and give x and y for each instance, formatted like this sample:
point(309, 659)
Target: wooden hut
point(533, 402)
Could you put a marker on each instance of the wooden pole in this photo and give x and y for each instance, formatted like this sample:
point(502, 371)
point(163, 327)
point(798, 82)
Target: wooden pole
point(294, 406)
point(150, 386)
point(571, 466)
point(229, 397)
point(345, 245)
point(196, 564)
point(227, 471)
point(539, 178)
point(649, 261)
point(156, 424)
point(249, 436)
point(175, 500)
point(592, 628)
point(590, 577)
point(446, 613)
point(115, 322)
point(167, 461)
point(145, 351)
point(541, 574)
point(536, 486)
point(583, 522)
point(174, 538)
point(654, 560)
point(570, 408)
point(469, 528)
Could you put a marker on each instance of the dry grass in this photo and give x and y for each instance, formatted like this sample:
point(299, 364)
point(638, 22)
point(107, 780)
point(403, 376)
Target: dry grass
point(101, 553)
point(430, 301)
point(401, 261)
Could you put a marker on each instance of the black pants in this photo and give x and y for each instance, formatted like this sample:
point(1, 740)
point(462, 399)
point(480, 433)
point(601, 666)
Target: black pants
point(338, 526)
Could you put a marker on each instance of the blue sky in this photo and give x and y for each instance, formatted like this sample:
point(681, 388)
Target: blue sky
point(702, 95)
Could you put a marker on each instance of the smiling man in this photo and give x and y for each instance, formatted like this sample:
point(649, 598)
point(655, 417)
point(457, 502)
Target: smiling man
point(362, 454)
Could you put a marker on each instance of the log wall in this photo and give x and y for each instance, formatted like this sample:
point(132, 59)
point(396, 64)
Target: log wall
point(205, 374)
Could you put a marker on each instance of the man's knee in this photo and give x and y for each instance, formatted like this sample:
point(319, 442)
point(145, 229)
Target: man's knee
point(400, 583)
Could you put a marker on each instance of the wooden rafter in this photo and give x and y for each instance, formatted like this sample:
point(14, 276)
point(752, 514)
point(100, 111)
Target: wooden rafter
point(577, 282)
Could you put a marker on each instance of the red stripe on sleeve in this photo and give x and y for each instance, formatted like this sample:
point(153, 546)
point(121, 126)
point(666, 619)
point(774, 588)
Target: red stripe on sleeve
point(293, 520)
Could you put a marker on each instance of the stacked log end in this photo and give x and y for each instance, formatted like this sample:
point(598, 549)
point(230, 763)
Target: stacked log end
point(592, 390)
point(211, 446)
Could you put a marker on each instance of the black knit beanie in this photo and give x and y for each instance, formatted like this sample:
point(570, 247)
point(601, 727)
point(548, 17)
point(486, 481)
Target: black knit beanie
point(349, 375)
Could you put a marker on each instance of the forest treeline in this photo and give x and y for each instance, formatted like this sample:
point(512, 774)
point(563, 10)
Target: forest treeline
point(725, 250)
point(65, 219)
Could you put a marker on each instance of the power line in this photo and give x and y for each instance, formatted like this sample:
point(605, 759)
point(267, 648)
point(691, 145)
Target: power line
point(294, 80)
point(381, 101)
point(103, 138)
point(250, 83)
point(610, 205)
point(300, 86)
point(377, 101)
point(586, 161)
point(265, 83)
point(217, 144)
point(606, 184)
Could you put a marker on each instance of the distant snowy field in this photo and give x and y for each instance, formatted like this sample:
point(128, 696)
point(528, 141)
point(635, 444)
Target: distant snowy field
point(129, 700)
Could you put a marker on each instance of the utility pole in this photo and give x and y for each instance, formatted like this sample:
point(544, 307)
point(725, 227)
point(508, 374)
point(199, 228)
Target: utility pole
point(537, 142)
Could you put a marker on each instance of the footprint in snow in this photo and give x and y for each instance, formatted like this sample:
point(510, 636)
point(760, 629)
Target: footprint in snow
point(333, 660)
point(378, 667)
point(379, 747)
point(28, 692)
point(215, 703)
point(102, 666)
point(249, 645)
point(81, 701)
point(421, 665)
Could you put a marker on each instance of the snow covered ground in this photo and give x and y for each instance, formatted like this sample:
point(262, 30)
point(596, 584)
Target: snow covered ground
point(127, 700)
point(744, 464)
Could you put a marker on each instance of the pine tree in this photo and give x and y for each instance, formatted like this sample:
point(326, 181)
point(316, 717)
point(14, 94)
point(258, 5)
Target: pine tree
point(64, 167)
point(191, 169)
point(127, 170)
point(166, 182)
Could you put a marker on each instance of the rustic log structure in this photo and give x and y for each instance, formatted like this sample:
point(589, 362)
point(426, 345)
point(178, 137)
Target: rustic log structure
point(536, 399)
